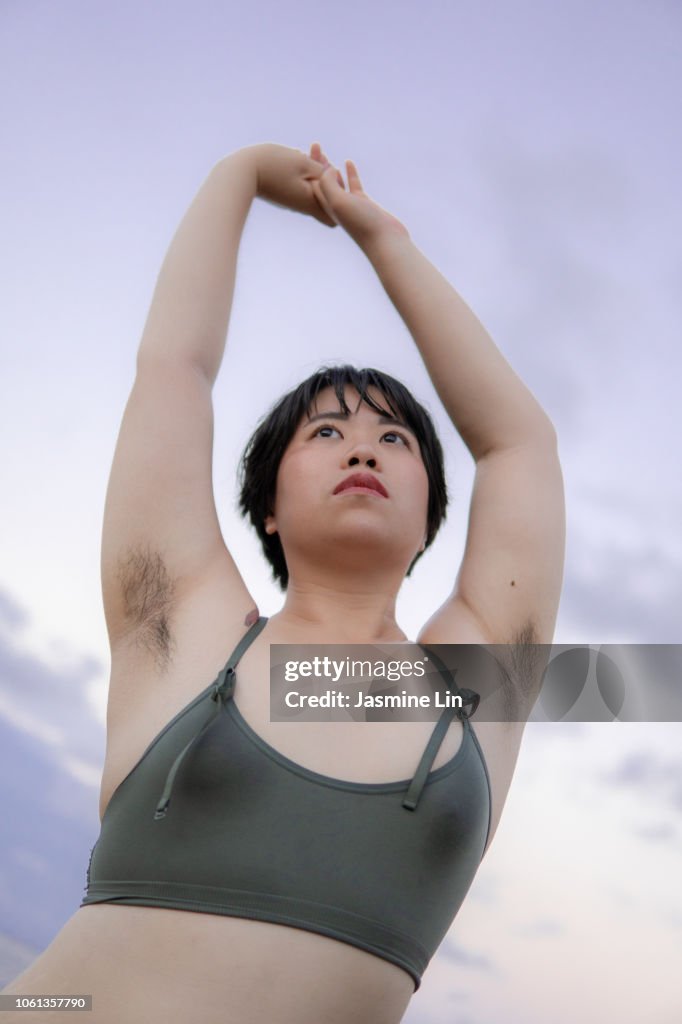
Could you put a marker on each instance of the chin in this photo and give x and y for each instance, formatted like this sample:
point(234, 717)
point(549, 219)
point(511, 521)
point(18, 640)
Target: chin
point(367, 540)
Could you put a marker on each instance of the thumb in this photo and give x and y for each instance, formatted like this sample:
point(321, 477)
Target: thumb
point(323, 200)
point(330, 187)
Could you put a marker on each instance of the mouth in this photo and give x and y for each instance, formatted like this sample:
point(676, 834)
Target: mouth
point(362, 483)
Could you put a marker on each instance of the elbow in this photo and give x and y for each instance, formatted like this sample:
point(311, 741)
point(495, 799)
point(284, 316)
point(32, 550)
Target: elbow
point(541, 431)
point(547, 432)
point(538, 434)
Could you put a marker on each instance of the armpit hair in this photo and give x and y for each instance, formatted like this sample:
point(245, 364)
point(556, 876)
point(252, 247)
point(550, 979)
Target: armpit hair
point(524, 664)
point(148, 593)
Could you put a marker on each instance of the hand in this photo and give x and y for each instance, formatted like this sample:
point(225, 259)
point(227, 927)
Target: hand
point(285, 177)
point(364, 220)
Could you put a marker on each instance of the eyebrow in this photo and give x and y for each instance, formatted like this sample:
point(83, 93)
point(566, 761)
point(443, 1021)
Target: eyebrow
point(344, 416)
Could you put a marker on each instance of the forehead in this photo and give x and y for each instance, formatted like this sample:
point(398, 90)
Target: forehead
point(327, 401)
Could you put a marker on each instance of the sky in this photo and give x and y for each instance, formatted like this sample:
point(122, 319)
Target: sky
point(531, 151)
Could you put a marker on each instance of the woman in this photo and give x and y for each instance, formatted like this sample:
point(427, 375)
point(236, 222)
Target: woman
point(249, 870)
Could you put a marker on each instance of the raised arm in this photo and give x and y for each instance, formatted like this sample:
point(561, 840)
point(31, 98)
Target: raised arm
point(161, 536)
point(190, 307)
point(508, 585)
point(509, 581)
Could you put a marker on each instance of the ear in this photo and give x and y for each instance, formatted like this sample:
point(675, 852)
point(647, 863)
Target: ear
point(270, 525)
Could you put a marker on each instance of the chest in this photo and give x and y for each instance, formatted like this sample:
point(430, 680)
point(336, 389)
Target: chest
point(143, 699)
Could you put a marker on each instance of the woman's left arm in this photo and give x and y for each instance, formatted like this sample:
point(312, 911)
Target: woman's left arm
point(508, 586)
point(488, 403)
point(509, 582)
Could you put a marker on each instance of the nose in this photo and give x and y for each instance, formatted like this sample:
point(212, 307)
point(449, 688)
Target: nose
point(362, 453)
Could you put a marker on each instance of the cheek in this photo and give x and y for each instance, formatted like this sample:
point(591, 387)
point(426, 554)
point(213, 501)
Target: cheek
point(424, 493)
point(295, 482)
point(414, 501)
point(421, 488)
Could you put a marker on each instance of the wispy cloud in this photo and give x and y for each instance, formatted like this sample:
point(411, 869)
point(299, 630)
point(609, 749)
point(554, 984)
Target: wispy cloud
point(453, 1008)
point(486, 889)
point(541, 928)
point(644, 768)
point(633, 591)
point(50, 768)
point(663, 831)
point(15, 957)
point(452, 950)
point(659, 779)
point(12, 615)
point(48, 704)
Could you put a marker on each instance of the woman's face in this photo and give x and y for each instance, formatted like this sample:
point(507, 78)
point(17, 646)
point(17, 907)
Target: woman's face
point(312, 508)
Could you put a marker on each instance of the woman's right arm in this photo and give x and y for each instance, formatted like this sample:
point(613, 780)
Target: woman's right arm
point(190, 309)
point(161, 538)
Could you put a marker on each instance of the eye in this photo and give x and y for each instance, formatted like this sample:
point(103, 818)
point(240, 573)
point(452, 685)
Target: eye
point(394, 435)
point(400, 437)
point(325, 426)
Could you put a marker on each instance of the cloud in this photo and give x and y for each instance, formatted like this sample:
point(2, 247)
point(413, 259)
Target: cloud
point(540, 734)
point(644, 769)
point(663, 831)
point(564, 226)
point(46, 703)
point(673, 917)
point(51, 748)
point(562, 220)
point(429, 1008)
point(658, 778)
point(12, 616)
point(634, 591)
point(451, 950)
point(541, 928)
point(15, 957)
point(486, 889)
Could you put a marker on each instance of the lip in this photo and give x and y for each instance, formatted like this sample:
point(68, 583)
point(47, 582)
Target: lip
point(362, 482)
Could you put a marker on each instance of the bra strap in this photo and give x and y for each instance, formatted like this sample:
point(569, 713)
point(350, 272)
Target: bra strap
point(222, 691)
point(416, 786)
point(227, 677)
point(432, 747)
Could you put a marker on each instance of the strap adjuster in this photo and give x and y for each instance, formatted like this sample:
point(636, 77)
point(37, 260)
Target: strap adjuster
point(224, 687)
point(469, 697)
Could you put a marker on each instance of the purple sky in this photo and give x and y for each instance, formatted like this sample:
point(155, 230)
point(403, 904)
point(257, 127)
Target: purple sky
point(533, 153)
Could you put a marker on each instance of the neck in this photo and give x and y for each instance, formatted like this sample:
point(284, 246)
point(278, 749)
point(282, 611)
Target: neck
point(354, 610)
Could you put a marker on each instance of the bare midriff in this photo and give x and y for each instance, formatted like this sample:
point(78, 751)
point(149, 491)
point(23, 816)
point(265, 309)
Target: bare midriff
point(151, 964)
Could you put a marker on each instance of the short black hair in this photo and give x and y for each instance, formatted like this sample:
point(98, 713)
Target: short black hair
point(263, 452)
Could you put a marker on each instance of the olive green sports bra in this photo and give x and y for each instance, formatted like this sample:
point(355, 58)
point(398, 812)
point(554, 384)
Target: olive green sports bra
point(250, 833)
